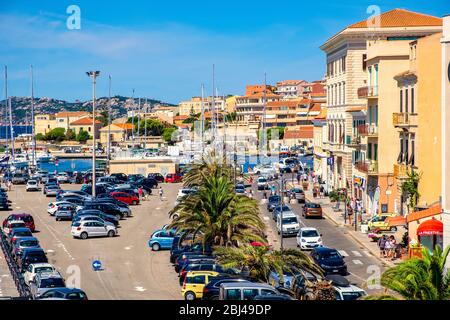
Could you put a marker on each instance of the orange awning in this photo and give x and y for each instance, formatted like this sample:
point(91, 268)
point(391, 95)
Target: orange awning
point(396, 221)
point(430, 228)
point(432, 211)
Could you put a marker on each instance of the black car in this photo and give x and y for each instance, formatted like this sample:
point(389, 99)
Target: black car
point(108, 208)
point(192, 249)
point(274, 201)
point(74, 200)
point(18, 232)
point(134, 177)
point(211, 290)
point(146, 183)
point(273, 297)
point(98, 213)
point(120, 176)
point(111, 200)
point(157, 176)
point(330, 260)
point(185, 259)
point(29, 256)
point(4, 202)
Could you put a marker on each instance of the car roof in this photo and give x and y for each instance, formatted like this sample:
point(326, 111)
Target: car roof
point(43, 264)
point(27, 238)
point(20, 214)
point(323, 249)
point(20, 229)
point(289, 214)
point(66, 290)
point(16, 221)
point(308, 229)
point(202, 273)
point(242, 284)
point(48, 275)
point(33, 249)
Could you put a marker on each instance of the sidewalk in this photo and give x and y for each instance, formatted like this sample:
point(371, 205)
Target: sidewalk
point(338, 219)
point(7, 286)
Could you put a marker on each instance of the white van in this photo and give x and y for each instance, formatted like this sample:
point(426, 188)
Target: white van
point(290, 224)
point(245, 290)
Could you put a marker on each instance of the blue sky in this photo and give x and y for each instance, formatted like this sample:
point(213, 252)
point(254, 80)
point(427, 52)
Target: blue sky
point(165, 49)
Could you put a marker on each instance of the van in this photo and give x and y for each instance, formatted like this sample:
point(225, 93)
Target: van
point(290, 224)
point(245, 290)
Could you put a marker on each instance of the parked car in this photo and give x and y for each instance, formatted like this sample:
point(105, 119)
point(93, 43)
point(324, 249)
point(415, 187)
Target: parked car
point(119, 176)
point(204, 266)
point(32, 185)
point(35, 268)
point(19, 178)
point(107, 208)
point(273, 297)
point(245, 290)
point(195, 282)
point(212, 289)
point(309, 238)
point(157, 176)
point(330, 260)
point(298, 194)
point(185, 260)
point(289, 225)
point(193, 248)
point(65, 212)
point(17, 233)
point(160, 240)
point(173, 178)
point(7, 228)
point(262, 183)
point(64, 294)
point(106, 217)
point(86, 229)
point(51, 190)
point(45, 281)
point(22, 243)
point(79, 202)
point(125, 197)
point(4, 202)
point(277, 210)
point(380, 222)
point(312, 210)
point(29, 256)
point(52, 207)
point(288, 278)
point(273, 201)
point(63, 177)
point(266, 171)
point(25, 217)
point(344, 290)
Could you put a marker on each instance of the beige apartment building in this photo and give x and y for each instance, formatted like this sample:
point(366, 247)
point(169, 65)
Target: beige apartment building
point(194, 106)
point(47, 122)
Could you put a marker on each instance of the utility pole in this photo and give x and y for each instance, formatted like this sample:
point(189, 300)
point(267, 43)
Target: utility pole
point(32, 118)
point(93, 75)
point(145, 123)
point(213, 106)
point(139, 121)
point(132, 118)
point(202, 126)
point(109, 120)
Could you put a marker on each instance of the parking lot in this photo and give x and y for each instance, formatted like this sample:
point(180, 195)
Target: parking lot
point(130, 270)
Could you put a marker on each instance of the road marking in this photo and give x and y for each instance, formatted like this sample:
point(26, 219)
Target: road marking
point(357, 262)
point(140, 289)
point(158, 208)
point(128, 248)
point(343, 253)
point(266, 218)
point(356, 253)
point(17, 207)
point(367, 253)
point(50, 251)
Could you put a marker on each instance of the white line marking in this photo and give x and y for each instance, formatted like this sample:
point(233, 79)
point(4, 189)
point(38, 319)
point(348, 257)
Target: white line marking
point(266, 218)
point(357, 262)
point(140, 289)
point(367, 253)
point(356, 253)
point(343, 253)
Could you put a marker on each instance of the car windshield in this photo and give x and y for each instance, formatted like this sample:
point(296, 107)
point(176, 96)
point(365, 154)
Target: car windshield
point(27, 219)
point(352, 295)
point(22, 233)
point(297, 191)
point(330, 255)
point(17, 225)
point(290, 220)
point(274, 198)
point(43, 269)
point(262, 180)
point(313, 205)
point(310, 233)
point(52, 283)
point(29, 243)
point(285, 208)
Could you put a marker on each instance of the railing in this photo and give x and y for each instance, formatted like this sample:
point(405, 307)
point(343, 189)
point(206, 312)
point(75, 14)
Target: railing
point(403, 119)
point(353, 140)
point(17, 276)
point(362, 166)
point(367, 129)
point(368, 91)
point(373, 167)
point(401, 170)
point(369, 166)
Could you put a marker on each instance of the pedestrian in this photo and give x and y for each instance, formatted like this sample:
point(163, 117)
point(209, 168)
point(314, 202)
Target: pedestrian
point(9, 184)
point(250, 194)
point(393, 246)
point(141, 193)
point(382, 245)
point(161, 193)
point(322, 189)
point(265, 194)
point(388, 248)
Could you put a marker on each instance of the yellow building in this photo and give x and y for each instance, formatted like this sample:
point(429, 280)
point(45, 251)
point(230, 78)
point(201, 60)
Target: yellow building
point(194, 106)
point(117, 133)
point(47, 122)
point(417, 119)
point(85, 124)
point(44, 123)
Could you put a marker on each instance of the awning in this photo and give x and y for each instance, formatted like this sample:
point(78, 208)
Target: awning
point(430, 228)
point(396, 221)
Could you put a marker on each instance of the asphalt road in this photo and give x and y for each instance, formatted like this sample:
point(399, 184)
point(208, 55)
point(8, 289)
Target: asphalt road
point(362, 266)
point(130, 269)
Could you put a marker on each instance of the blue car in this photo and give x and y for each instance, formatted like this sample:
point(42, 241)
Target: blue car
point(161, 239)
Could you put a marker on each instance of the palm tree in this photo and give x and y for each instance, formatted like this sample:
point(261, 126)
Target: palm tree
point(420, 279)
point(260, 260)
point(218, 214)
point(209, 166)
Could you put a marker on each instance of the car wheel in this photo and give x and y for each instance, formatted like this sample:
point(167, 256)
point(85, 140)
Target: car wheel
point(118, 216)
point(84, 235)
point(58, 219)
point(134, 203)
point(189, 295)
point(156, 247)
point(111, 233)
point(393, 229)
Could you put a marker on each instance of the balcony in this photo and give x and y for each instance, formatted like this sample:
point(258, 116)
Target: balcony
point(367, 92)
point(367, 129)
point(403, 120)
point(353, 140)
point(401, 170)
point(370, 167)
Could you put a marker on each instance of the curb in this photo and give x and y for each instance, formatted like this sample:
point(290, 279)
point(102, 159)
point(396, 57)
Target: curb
point(350, 233)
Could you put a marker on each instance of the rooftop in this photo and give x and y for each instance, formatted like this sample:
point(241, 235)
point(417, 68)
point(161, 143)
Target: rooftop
point(84, 121)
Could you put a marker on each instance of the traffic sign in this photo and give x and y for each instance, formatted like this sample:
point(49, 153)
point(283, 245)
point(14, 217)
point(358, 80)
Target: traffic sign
point(96, 265)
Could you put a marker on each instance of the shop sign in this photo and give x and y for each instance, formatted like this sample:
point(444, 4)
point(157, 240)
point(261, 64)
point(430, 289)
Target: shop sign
point(358, 181)
point(330, 161)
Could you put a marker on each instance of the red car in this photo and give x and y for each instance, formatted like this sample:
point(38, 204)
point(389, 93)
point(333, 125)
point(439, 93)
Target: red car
point(173, 178)
point(125, 197)
point(25, 217)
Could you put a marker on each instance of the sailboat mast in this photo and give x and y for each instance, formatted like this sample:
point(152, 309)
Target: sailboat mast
point(109, 118)
point(132, 118)
point(6, 104)
point(12, 129)
point(213, 106)
point(32, 119)
point(202, 126)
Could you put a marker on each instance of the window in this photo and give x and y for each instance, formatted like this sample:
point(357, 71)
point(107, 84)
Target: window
point(369, 150)
point(343, 63)
point(412, 100)
point(375, 151)
point(249, 294)
point(364, 63)
point(406, 158)
point(406, 100)
point(233, 294)
point(196, 280)
point(401, 100)
point(400, 155)
point(412, 160)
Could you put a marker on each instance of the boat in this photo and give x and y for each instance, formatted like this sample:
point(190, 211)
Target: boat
point(20, 161)
point(43, 158)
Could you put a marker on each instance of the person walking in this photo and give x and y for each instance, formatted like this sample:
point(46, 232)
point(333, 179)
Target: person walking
point(250, 194)
point(382, 245)
point(161, 192)
point(141, 193)
point(9, 184)
point(393, 246)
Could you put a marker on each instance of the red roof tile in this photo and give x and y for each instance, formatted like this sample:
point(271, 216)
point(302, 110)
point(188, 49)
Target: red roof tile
point(84, 121)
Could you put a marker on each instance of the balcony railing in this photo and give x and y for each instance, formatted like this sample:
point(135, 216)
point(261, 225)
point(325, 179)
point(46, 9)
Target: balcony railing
point(353, 140)
point(367, 92)
point(403, 119)
point(362, 166)
point(401, 170)
point(367, 129)
point(369, 166)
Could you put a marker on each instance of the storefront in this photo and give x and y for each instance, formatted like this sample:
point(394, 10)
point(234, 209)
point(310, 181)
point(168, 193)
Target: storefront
point(430, 234)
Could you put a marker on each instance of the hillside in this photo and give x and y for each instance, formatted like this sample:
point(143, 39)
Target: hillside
point(21, 106)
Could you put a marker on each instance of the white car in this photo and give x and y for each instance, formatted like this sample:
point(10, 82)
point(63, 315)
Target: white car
point(35, 268)
point(182, 193)
point(13, 224)
point(63, 177)
point(52, 207)
point(32, 185)
point(290, 224)
point(266, 171)
point(86, 229)
point(262, 183)
point(344, 290)
point(309, 238)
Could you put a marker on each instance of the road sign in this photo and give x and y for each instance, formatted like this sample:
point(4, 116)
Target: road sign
point(96, 265)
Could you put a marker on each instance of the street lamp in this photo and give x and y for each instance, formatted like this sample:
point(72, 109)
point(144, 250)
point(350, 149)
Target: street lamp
point(93, 75)
point(280, 188)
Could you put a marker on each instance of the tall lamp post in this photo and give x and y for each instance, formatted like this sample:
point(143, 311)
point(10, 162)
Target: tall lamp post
point(280, 188)
point(93, 75)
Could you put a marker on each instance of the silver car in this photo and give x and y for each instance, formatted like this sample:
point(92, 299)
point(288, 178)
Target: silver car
point(65, 212)
point(52, 190)
point(45, 281)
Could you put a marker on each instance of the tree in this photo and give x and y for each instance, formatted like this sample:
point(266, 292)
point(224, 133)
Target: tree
point(260, 260)
point(167, 133)
point(277, 131)
point(421, 279)
point(70, 135)
point(209, 166)
point(231, 117)
point(83, 136)
point(154, 127)
point(57, 134)
point(410, 188)
point(40, 137)
point(218, 215)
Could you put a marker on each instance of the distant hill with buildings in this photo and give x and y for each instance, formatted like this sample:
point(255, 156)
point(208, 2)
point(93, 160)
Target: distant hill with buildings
point(21, 106)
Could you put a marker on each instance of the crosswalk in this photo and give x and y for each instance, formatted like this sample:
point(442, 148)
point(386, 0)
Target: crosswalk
point(355, 254)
